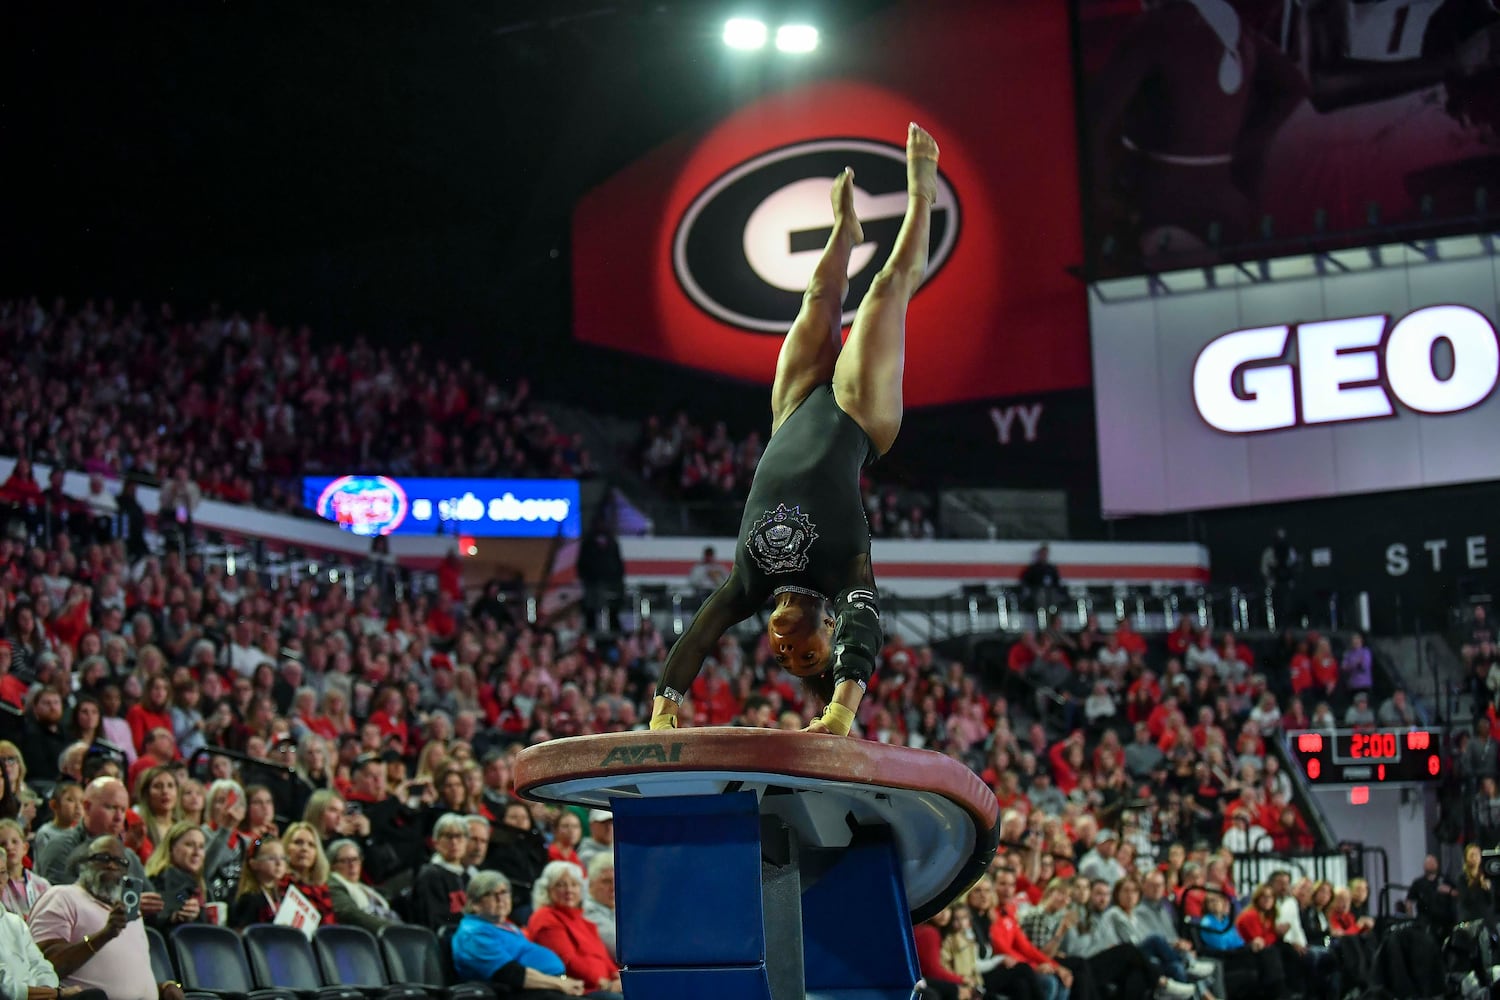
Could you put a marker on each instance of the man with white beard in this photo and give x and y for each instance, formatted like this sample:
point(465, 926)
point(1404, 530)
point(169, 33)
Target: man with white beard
point(83, 931)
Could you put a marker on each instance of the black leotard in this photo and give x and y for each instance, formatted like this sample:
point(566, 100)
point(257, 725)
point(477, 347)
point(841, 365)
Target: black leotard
point(804, 527)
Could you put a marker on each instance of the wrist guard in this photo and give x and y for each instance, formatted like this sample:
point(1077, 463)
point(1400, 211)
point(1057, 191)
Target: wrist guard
point(857, 636)
point(838, 719)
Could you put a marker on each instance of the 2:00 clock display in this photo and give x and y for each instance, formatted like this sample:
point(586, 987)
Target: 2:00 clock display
point(1349, 756)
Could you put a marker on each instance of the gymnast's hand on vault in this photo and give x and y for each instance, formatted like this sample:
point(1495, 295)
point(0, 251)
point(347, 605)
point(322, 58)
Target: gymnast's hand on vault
point(817, 726)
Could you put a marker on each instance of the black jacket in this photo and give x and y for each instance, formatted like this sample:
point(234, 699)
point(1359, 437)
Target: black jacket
point(519, 855)
point(437, 896)
point(396, 842)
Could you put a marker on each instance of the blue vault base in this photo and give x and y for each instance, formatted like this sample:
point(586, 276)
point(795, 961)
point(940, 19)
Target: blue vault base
point(718, 902)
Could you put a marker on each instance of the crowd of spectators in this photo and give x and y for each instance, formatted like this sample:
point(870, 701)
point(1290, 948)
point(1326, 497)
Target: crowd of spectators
point(248, 745)
point(245, 407)
point(708, 467)
point(1480, 651)
point(1120, 835)
point(181, 709)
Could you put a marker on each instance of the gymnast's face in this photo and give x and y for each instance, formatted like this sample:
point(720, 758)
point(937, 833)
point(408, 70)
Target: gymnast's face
point(801, 635)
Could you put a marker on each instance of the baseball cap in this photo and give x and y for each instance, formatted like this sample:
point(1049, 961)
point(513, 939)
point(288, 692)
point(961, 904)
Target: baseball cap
point(1104, 835)
point(601, 816)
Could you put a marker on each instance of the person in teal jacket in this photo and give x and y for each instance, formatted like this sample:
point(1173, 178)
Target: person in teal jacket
point(489, 948)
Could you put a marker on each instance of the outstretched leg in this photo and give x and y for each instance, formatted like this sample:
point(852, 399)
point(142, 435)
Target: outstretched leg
point(867, 375)
point(811, 348)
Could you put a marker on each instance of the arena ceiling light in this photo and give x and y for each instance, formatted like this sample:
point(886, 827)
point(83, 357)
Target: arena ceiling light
point(745, 33)
point(796, 38)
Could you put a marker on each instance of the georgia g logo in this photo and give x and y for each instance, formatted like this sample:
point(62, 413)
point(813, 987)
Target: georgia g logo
point(747, 246)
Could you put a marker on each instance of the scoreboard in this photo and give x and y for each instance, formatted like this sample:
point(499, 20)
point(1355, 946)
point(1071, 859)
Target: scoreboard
point(1367, 756)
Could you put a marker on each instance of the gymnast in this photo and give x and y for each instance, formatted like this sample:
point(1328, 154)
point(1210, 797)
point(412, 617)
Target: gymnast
point(804, 542)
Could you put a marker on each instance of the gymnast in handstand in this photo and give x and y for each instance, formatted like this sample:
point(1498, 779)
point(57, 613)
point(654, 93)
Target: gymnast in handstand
point(804, 542)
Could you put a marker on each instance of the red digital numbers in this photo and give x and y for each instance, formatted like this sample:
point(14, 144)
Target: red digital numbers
point(1433, 765)
point(1380, 773)
point(1310, 743)
point(1417, 740)
point(1314, 768)
point(1373, 745)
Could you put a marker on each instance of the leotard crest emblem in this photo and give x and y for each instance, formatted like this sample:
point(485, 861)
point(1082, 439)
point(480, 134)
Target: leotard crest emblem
point(779, 540)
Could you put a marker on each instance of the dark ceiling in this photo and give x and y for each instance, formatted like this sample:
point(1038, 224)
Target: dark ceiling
point(394, 168)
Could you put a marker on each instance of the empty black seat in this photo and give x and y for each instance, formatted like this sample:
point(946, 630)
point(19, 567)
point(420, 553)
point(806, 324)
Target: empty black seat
point(161, 961)
point(282, 956)
point(350, 956)
point(414, 956)
point(212, 962)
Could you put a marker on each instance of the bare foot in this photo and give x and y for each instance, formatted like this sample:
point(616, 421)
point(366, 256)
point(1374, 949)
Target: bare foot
point(921, 163)
point(843, 206)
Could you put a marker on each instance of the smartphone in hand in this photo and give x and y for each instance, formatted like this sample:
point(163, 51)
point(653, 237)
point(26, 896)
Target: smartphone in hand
point(130, 896)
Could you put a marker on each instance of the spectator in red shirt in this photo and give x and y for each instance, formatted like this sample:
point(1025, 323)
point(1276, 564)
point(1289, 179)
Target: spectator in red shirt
point(928, 936)
point(391, 717)
point(12, 690)
point(153, 711)
point(557, 922)
point(1023, 653)
point(333, 719)
point(1300, 669)
point(1207, 728)
point(1257, 923)
point(1161, 720)
point(1181, 637)
point(714, 698)
point(1006, 937)
point(1067, 759)
point(1130, 640)
point(21, 487)
point(69, 624)
point(1325, 669)
point(566, 834)
point(159, 750)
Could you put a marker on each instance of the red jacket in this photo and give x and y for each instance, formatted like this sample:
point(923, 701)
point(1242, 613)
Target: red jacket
point(576, 941)
point(1063, 775)
point(1253, 926)
point(142, 720)
point(1325, 670)
point(555, 852)
point(1302, 674)
point(1344, 923)
point(930, 955)
point(1008, 939)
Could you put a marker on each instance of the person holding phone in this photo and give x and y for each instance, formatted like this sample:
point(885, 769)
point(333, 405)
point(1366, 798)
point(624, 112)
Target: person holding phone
point(176, 872)
point(105, 806)
point(88, 933)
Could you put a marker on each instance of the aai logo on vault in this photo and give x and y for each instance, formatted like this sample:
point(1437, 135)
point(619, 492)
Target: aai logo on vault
point(747, 246)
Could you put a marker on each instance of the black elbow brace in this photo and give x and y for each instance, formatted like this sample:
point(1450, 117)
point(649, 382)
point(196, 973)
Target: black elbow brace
point(857, 636)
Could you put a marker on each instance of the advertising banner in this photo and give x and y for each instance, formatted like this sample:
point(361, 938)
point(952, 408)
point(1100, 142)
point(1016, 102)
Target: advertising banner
point(698, 254)
point(1214, 129)
point(481, 508)
point(1365, 371)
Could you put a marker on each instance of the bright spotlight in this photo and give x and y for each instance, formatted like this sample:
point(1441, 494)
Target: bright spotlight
point(744, 33)
point(796, 38)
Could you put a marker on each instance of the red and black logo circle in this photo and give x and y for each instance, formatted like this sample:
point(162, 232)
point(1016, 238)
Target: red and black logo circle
point(748, 244)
